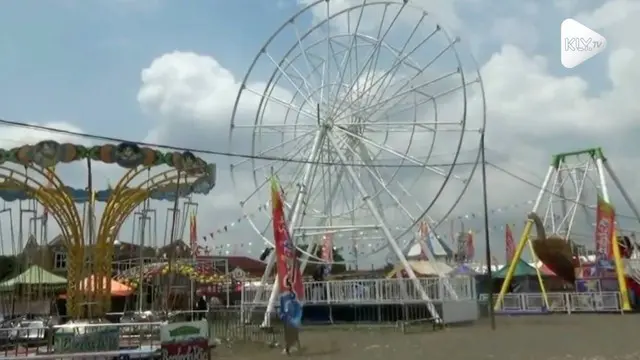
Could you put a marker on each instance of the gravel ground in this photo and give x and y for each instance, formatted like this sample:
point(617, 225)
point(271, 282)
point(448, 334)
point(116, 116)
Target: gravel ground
point(519, 338)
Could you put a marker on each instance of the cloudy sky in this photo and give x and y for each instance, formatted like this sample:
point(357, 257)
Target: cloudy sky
point(168, 72)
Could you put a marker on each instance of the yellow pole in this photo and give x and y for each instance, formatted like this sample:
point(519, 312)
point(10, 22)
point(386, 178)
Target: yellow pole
point(543, 290)
point(524, 240)
point(622, 283)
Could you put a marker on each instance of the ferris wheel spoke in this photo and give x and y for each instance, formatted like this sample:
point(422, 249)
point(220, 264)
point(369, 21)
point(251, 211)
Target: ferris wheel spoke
point(368, 172)
point(340, 70)
point(375, 175)
point(353, 157)
point(326, 73)
point(290, 155)
point(414, 106)
point(373, 64)
point(352, 44)
point(369, 58)
point(288, 78)
point(313, 71)
point(260, 185)
point(324, 188)
point(456, 88)
point(388, 149)
point(399, 95)
point(281, 102)
point(310, 92)
point(326, 181)
point(268, 150)
point(400, 59)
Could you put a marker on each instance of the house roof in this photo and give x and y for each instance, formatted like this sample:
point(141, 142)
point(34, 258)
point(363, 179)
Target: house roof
point(56, 240)
point(425, 268)
point(436, 245)
point(244, 262)
point(463, 269)
point(33, 275)
point(522, 269)
point(117, 288)
point(31, 243)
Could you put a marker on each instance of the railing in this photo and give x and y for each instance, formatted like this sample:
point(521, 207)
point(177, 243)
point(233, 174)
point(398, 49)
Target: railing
point(370, 291)
point(588, 302)
point(106, 340)
point(124, 340)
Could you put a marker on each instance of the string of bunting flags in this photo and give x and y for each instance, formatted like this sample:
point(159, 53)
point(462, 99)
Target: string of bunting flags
point(354, 249)
point(266, 207)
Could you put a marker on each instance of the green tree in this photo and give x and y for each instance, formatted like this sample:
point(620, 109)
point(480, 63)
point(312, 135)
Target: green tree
point(335, 268)
point(8, 267)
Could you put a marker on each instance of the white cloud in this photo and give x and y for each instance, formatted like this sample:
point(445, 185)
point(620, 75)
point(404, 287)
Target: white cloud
point(533, 109)
point(188, 86)
point(192, 98)
point(516, 32)
point(13, 136)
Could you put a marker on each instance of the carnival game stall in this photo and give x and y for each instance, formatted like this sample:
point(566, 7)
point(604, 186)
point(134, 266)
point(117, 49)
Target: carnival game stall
point(184, 279)
point(119, 294)
point(525, 278)
point(31, 292)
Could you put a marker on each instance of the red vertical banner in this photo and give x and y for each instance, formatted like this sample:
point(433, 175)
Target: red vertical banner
point(193, 236)
point(327, 252)
point(605, 224)
point(287, 265)
point(471, 249)
point(509, 244)
point(424, 232)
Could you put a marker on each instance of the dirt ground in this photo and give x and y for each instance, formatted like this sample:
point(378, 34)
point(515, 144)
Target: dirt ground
point(601, 337)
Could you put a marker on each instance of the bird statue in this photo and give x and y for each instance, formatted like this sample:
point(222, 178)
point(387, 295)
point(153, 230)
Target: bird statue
point(554, 251)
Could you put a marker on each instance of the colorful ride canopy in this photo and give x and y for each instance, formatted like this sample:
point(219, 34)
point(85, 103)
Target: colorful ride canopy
point(46, 155)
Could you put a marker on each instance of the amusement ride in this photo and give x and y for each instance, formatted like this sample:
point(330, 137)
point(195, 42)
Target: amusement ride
point(576, 193)
point(370, 120)
point(29, 175)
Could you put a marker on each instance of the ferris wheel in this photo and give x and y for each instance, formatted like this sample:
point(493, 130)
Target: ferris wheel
point(369, 115)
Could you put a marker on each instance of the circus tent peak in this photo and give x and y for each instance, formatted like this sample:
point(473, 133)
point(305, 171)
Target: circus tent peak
point(437, 246)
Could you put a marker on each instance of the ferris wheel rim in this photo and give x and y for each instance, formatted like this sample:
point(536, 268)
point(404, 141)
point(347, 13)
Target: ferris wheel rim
point(458, 149)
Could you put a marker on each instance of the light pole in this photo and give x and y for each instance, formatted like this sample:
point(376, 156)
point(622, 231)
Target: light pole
point(487, 243)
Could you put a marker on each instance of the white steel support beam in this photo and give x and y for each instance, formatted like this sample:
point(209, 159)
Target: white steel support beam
point(296, 212)
point(385, 229)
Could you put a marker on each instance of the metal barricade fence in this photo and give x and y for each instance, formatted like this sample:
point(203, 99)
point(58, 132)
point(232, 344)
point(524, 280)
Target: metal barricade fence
point(369, 291)
point(589, 302)
point(104, 340)
point(127, 340)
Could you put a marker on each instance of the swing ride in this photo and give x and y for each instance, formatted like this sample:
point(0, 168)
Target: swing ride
point(575, 195)
point(29, 176)
point(351, 124)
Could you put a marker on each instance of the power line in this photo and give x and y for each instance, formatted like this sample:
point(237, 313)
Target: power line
point(48, 129)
